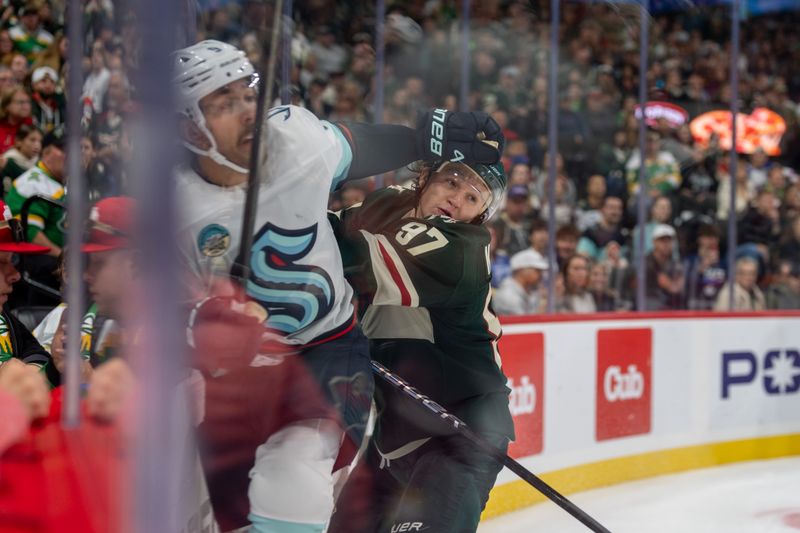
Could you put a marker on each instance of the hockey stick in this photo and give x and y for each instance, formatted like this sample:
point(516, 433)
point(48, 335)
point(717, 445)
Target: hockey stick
point(490, 449)
point(259, 137)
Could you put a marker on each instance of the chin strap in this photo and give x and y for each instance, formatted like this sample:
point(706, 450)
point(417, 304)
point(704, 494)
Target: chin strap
point(212, 152)
point(216, 157)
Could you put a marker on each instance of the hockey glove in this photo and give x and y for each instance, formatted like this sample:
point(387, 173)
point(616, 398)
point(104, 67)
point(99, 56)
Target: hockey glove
point(224, 332)
point(455, 136)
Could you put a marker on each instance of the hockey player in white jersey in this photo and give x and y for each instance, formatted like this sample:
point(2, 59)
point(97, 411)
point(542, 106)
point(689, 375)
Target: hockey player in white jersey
point(296, 268)
point(296, 277)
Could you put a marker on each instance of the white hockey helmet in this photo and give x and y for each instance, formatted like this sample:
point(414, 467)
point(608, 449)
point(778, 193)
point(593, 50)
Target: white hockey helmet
point(201, 69)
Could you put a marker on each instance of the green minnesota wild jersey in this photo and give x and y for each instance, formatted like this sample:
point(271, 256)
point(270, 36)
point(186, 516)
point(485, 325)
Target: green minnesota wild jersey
point(41, 216)
point(424, 294)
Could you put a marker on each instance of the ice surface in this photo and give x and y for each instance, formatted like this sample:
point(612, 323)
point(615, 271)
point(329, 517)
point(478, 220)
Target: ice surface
point(757, 496)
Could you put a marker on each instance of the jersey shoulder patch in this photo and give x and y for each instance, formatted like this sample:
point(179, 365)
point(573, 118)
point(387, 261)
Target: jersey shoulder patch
point(214, 240)
point(34, 181)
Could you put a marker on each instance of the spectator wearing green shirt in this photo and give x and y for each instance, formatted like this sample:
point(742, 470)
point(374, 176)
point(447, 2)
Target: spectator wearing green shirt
point(45, 179)
point(29, 37)
point(662, 172)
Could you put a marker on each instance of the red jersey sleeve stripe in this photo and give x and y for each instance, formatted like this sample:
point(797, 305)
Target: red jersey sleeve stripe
point(405, 296)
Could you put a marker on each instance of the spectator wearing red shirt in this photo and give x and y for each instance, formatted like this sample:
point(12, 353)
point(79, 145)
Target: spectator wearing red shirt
point(15, 110)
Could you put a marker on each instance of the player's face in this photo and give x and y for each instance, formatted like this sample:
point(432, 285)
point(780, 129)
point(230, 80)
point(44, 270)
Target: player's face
point(454, 191)
point(230, 114)
point(8, 275)
point(108, 276)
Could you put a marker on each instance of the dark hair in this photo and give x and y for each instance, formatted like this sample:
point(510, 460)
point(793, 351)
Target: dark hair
point(653, 135)
point(568, 231)
point(24, 130)
point(565, 268)
point(708, 230)
point(537, 225)
point(610, 196)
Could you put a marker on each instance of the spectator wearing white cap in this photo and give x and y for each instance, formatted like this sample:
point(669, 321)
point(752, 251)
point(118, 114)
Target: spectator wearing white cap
point(49, 105)
point(518, 294)
point(665, 281)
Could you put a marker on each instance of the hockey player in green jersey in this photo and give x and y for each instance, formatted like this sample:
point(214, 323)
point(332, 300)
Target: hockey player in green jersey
point(419, 261)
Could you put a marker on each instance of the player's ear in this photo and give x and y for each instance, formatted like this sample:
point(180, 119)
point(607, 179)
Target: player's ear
point(192, 134)
point(424, 176)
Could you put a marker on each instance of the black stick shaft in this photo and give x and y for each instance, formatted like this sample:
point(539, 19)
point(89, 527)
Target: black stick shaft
point(457, 424)
point(259, 137)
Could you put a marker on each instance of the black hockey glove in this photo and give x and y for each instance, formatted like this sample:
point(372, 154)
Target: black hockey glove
point(454, 136)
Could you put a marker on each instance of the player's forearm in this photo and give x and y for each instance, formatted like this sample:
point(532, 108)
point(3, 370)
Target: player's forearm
point(378, 148)
point(440, 135)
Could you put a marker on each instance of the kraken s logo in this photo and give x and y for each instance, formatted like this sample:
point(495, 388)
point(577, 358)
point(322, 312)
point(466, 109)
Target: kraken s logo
point(294, 295)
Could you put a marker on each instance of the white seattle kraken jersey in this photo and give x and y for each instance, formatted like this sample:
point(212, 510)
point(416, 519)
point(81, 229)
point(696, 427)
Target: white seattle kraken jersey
point(296, 267)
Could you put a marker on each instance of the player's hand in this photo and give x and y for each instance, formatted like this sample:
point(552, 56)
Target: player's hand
point(110, 386)
point(225, 332)
point(58, 349)
point(455, 136)
point(28, 384)
point(57, 346)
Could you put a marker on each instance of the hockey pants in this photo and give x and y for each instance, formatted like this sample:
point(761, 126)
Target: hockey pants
point(441, 487)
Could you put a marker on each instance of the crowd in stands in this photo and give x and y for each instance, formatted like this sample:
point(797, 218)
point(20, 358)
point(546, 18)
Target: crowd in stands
point(592, 214)
point(597, 186)
point(597, 192)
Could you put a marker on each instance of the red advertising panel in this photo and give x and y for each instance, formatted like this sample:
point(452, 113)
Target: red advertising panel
point(523, 365)
point(623, 382)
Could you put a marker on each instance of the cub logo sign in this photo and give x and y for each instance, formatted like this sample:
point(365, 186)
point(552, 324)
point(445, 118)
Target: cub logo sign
point(623, 382)
point(523, 365)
